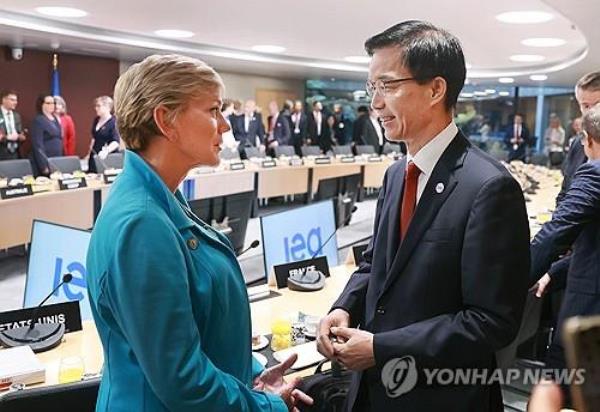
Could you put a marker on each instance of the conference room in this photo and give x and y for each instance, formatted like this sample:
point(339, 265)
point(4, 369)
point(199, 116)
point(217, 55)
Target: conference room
point(204, 207)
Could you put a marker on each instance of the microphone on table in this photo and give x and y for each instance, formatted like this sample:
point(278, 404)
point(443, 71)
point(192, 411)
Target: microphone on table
point(344, 223)
point(39, 336)
point(253, 245)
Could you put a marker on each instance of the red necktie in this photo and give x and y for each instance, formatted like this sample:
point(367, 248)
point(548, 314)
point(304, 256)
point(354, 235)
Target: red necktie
point(409, 198)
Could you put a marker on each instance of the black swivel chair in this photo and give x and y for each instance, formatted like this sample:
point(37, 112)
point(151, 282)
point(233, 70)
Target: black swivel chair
point(252, 151)
point(311, 151)
point(229, 154)
point(345, 150)
point(365, 149)
point(15, 168)
point(113, 161)
point(391, 148)
point(285, 151)
point(64, 164)
point(70, 397)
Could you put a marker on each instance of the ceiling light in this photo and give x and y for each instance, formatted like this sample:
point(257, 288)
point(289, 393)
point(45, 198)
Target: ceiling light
point(468, 65)
point(538, 77)
point(357, 59)
point(490, 91)
point(268, 48)
point(524, 17)
point(527, 58)
point(506, 80)
point(504, 94)
point(61, 11)
point(478, 93)
point(174, 34)
point(465, 94)
point(543, 42)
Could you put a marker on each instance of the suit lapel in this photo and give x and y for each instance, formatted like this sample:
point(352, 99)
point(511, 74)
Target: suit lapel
point(430, 203)
point(393, 232)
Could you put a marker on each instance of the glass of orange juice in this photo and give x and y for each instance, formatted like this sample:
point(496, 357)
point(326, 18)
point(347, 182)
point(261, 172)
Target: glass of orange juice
point(71, 369)
point(281, 329)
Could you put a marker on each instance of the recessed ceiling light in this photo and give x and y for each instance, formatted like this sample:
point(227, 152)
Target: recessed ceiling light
point(478, 93)
point(504, 94)
point(524, 17)
point(490, 91)
point(538, 77)
point(527, 58)
point(357, 59)
point(174, 34)
point(268, 48)
point(543, 42)
point(506, 80)
point(61, 11)
point(465, 94)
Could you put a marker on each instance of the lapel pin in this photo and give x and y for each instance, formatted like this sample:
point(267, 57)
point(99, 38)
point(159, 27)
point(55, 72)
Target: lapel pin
point(439, 188)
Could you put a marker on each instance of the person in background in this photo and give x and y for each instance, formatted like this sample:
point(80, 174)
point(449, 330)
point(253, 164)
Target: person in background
point(329, 136)
point(577, 128)
point(517, 139)
point(248, 128)
point(166, 290)
point(554, 140)
point(279, 129)
point(68, 126)
point(317, 124)
point(105, 136)
point(227, 110)
point(341, 124)
point(299, 126)
point(46, 136)
point(11, 128)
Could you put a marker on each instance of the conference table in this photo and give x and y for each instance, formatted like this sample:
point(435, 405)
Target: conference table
point(79, 207)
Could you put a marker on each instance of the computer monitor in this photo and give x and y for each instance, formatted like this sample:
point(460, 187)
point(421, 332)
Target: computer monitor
point(56, 250)
point(297, 234)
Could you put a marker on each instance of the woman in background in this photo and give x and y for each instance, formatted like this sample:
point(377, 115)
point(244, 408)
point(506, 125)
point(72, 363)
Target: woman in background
point(105, 136)
point(46, 136)
point(68, 126)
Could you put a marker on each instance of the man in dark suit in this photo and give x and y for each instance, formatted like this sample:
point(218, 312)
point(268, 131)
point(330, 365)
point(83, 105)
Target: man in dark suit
point(11, 128)
point(299, 127)
point(317, 126)
point(279, 129)
point(517, 139)
point(445, 277)
point(575, 226)
point(248, 128)
point(369, 131)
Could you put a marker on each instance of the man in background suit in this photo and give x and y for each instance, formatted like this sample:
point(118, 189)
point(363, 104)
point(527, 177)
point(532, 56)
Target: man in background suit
point(575, 226)
point(517, 139)
point(299, 127)
point(248, 128)
point(279, 129)
point(369, 131)
point(11, 128)
point(445, 277)
point(317, 125)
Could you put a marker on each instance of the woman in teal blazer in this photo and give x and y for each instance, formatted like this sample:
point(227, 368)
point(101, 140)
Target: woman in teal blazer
point(166, 290)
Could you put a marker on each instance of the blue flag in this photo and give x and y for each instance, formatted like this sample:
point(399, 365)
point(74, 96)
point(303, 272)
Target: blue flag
point(55, 81)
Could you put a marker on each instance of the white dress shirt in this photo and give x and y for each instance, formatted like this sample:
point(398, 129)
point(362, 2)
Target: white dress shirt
point(428, 156)
point(9, 118)
point(317, 115)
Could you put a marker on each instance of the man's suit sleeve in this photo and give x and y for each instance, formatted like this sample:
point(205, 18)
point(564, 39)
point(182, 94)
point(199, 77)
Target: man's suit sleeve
point(558, 273)
point(494, 264)
point(580, 205)
point(352, 299)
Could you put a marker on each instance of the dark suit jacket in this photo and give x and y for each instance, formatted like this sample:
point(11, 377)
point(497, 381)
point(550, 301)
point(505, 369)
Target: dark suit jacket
point(575, 225)
point(452, 293)
point(519, 153)
point(575, 158)
point(365, 134)
point(316, 139)
point(255, 128)
point(281, 131)
point(10, 150)
point(299, 138)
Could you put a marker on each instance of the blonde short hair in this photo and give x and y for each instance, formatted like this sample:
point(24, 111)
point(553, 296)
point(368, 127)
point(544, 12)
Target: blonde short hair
point(159, 80)
point(106, 101)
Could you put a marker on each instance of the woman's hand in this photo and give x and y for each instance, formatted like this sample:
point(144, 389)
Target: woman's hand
point(272, 381)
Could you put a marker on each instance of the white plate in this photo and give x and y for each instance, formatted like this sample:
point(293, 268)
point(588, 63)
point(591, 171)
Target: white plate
point(262, 359)
point(264, 342)
point(307, 355)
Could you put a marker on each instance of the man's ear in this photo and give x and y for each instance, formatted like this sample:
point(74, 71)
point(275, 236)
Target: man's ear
point(438, 89)
point(164, 123)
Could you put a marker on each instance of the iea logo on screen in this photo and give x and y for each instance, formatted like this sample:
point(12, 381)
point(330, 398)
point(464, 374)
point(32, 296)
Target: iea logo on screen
point(57, 250)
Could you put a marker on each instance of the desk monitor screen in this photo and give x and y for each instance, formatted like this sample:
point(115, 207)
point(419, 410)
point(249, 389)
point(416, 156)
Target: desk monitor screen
point(56, 250)
point(298, 233)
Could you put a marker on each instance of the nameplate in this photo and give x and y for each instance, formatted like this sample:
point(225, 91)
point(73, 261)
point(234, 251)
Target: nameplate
point(268, 163)
point(237, 166)
point(348, 159)
point(110, 177)
point(374, 159)
point(322, 160)
point(283, 272)
point(357, 252)
point(11, 192)
point(67, 313)
point(296, 162)
point(72, 183)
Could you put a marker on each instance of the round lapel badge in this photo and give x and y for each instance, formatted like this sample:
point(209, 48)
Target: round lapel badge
point(439, 188)
point(192, 243)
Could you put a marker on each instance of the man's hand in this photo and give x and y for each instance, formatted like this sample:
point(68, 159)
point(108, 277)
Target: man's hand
point(271, 380)
point(546, 397)
point(541, 285)
point(357, 351)
point(337, 317)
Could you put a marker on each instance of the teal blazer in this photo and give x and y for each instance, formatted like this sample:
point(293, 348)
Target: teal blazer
point(170, 305)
